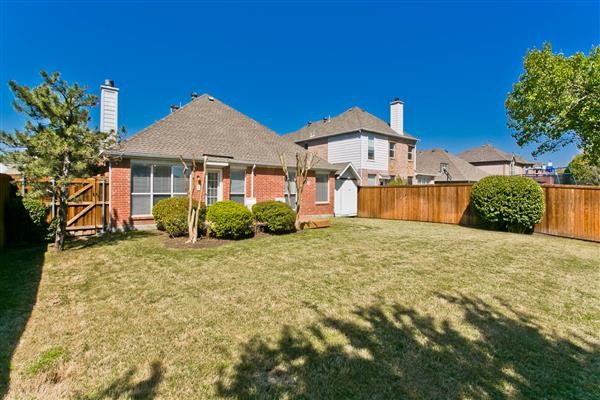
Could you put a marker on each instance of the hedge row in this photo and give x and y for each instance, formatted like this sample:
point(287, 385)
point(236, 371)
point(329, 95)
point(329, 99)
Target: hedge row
point(224, 219)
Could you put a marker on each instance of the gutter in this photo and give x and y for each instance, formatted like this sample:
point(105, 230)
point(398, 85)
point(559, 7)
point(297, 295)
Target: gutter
point(212, 163)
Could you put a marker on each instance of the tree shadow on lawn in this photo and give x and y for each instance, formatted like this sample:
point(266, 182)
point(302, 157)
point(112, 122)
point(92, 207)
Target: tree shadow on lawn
point(123, 387)
point(396, 352)
point(20, 274)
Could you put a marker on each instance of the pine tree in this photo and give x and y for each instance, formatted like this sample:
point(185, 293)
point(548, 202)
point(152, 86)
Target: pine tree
point(56, 141)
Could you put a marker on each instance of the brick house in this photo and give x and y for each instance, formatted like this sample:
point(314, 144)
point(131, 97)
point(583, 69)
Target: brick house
point(378, 151)
point(243, 163)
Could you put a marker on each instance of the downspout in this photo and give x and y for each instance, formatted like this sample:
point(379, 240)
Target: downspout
point(252, 182)
point(110, 203)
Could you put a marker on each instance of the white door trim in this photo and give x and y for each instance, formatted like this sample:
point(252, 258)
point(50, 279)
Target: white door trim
point(219, 189)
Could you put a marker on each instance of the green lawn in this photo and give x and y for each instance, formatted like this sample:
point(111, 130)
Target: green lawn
point(368, 309)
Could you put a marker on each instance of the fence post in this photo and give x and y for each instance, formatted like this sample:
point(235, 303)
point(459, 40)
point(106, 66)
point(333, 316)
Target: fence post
point(53, 198)
point(103, 205)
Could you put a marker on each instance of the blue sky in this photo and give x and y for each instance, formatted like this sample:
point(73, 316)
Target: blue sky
point(287, 63)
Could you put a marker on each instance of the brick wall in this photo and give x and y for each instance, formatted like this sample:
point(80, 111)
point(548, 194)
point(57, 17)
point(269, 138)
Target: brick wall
point(400, 165)
point(319, 147)
point(268, 185)
point(120, 194)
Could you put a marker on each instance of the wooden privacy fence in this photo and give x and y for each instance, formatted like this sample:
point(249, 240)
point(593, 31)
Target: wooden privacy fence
point(571, 211)
point(87, 208)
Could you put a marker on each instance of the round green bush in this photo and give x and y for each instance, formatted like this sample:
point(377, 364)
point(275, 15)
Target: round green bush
point(170, 215)
point(278, 217)
point(229, 220)
point(508, 203)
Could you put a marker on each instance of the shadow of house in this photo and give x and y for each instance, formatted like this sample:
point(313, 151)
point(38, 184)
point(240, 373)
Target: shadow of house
point(124, 387)
point(20, 274)
point(395, 352)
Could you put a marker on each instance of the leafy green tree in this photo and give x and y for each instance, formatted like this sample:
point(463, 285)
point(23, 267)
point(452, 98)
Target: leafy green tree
point(56, 141)
point(583, 172)
point(557, 102)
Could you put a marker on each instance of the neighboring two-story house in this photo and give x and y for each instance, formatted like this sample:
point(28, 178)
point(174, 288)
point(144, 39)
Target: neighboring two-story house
point(378, 151)
point(495, 161)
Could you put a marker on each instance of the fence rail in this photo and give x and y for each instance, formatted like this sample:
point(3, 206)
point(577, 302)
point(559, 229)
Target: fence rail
point(571, 211)
point(87, 207)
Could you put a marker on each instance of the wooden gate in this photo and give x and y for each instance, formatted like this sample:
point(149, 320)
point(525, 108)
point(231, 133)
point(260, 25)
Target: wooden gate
point(88, 205)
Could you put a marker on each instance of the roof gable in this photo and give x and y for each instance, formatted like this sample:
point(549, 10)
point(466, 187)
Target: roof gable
point(352, 120)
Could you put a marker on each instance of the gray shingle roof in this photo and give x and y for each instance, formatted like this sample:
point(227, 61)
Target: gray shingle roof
point(428, 163)
point(351, 120)
point(489, 153)
point(207, 126)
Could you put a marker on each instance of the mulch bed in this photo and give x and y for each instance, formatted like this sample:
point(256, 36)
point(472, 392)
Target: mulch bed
point(202, 242)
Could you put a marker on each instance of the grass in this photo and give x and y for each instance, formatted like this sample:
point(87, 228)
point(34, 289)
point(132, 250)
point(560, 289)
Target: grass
point(365, 309)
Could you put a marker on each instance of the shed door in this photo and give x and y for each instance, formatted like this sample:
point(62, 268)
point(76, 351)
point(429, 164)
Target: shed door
point(346, 194)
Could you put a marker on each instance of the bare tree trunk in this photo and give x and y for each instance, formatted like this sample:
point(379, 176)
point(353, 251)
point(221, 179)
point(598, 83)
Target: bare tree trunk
point(61, 217)
point(200, 199)
point(304, 163)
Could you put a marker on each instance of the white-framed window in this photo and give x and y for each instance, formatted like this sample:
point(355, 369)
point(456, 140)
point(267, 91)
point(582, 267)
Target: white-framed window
point(392, 149)
point(290, 196)
point(371, 179)
point(411, 151)
point(152, 182)
point(322, 190)
point(237, 189)
point(371, 147)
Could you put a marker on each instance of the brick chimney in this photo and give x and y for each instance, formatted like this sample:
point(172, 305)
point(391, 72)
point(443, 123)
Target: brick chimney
point(109, 106)
point(397, 116)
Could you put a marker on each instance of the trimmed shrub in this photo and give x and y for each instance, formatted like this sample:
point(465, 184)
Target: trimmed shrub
point(508, 203)
point(397, 181)
point(278, 217)
point(229, 220)
point(170, 215)
point(26, 220)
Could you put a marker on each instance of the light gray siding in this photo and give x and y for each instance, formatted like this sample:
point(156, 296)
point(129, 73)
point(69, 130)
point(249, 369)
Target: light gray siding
point(381, 153)
point(344, 148)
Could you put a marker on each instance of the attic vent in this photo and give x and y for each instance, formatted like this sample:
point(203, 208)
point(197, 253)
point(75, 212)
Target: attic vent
point(194, 95)
point(211, 98)
point(174, 107)
point(309, 123)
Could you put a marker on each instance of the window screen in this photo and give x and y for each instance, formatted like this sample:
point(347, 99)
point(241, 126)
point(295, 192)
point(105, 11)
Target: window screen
point(371, 150)
point(290, 198)
point(322, 188)
point(238, 187)
point(140, 178)
point(162, 179)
